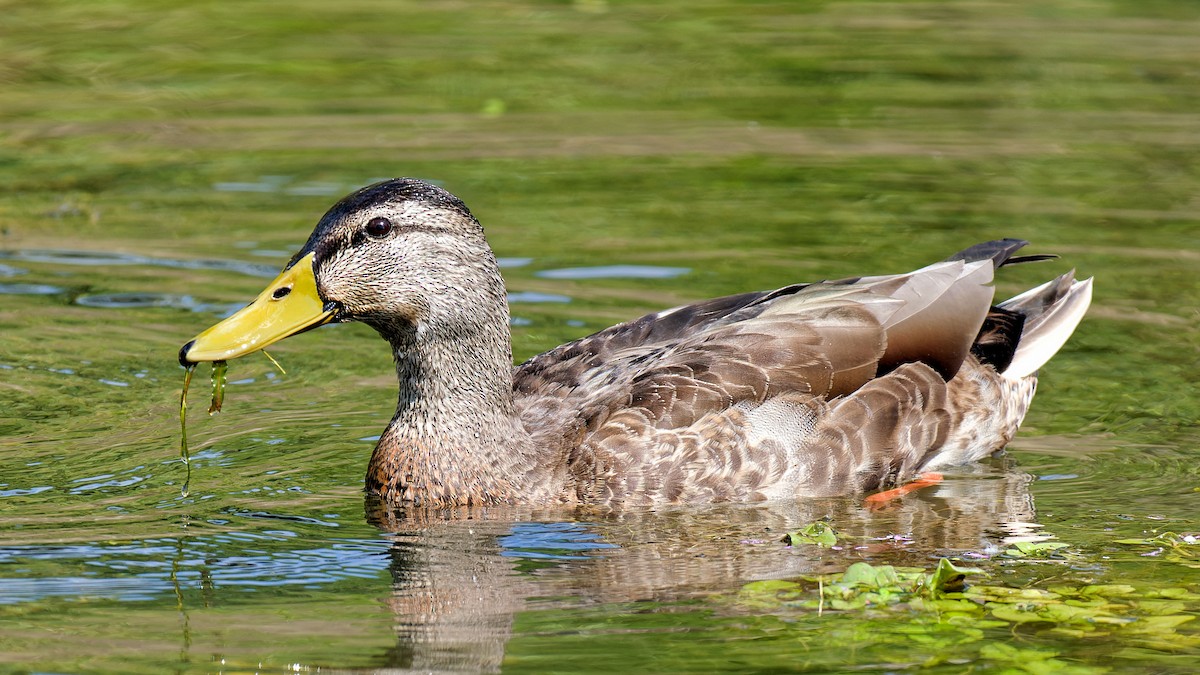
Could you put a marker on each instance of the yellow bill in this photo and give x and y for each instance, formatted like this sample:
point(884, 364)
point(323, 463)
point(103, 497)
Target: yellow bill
point(290, 304)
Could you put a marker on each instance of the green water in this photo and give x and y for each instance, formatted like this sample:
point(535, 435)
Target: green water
point(160, 162)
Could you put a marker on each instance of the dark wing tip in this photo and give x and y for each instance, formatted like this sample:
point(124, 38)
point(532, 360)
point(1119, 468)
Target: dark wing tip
point(1000, 252)
point(1036, 257)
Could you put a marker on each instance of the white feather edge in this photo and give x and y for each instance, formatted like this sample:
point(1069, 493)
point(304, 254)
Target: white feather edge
point(1042, 341)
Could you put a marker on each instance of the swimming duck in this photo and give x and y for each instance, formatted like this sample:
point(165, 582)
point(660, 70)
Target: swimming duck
point(811, 389)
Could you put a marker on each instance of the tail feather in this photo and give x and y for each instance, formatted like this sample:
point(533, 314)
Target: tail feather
point(1052, 311)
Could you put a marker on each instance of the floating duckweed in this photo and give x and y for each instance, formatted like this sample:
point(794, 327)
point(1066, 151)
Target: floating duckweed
point(947, 610)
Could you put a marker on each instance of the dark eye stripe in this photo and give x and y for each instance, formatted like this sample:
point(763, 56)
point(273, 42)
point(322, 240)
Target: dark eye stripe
point(359, 236)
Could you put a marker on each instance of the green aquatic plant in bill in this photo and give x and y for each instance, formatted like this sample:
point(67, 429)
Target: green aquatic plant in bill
point(219, 379)
point(219, 369)
point(183, 442)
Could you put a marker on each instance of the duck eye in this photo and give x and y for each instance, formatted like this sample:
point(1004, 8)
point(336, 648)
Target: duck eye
point(379, 227)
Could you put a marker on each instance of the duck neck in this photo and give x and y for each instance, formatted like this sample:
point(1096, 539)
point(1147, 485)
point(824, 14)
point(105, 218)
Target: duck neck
point(455, 438)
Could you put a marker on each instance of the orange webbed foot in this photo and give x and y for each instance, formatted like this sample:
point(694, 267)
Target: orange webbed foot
point(923, 480)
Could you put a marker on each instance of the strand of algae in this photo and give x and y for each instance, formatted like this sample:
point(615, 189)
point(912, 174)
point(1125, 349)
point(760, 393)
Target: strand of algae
point(219, 378)
point(218, 386)
point(183, 444)
point(272, 360)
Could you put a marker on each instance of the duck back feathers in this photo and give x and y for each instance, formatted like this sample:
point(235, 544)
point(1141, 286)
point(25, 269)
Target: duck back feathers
point(811, 389)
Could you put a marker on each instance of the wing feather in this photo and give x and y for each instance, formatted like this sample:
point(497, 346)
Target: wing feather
point(827, 386)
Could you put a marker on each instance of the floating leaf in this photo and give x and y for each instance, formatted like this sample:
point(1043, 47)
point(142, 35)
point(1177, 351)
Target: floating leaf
point(817, 534)
point(1027, 549)
point(1174, 594)
point(948, 578)
point(769, 593)
point(1108, 589)
point(1159, 624)
point(1015, 613)
point(940, 613)
point(1006, 652)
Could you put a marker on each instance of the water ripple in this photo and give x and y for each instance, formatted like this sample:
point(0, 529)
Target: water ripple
point(615, 272)
point(140, 300)
point(556, 541)
point(30, 289)
point(102, 258)
point(150, 569)
point(23, 492)
point(533, 296)
point(144, 570)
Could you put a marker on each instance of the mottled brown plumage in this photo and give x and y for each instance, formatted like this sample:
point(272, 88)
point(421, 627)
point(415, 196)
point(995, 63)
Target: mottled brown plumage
point(808, 390)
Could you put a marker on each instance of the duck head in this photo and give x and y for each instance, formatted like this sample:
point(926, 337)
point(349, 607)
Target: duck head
point(403, 256)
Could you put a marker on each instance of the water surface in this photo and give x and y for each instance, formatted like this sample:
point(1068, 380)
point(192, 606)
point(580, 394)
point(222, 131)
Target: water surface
point(156, 168)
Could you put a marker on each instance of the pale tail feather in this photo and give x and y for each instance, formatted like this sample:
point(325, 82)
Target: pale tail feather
point(1052, 311)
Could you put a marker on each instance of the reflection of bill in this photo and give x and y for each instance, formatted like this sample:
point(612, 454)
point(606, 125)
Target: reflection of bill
point(460, 576)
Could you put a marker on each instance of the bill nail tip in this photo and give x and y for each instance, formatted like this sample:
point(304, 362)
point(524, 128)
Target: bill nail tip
point(183, 359)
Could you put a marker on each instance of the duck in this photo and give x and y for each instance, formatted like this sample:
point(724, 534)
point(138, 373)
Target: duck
point(810, 390)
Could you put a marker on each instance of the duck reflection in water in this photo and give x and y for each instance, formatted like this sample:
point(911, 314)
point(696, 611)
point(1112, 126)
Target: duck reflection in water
point(461, 575)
